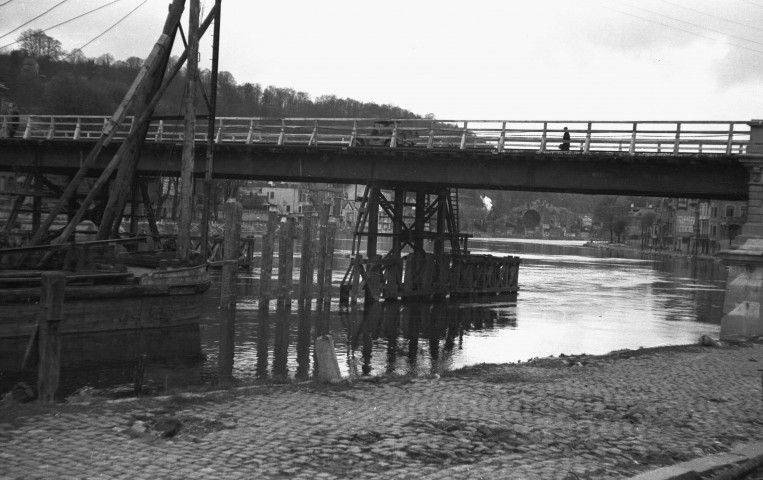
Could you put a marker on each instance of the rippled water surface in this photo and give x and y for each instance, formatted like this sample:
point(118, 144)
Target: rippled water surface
point(572, 300)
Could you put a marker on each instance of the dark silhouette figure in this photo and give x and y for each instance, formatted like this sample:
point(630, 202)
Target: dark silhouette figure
point(565, 145)
point(13, 125)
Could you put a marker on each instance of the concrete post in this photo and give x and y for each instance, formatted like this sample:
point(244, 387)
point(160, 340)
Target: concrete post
point(744, 284)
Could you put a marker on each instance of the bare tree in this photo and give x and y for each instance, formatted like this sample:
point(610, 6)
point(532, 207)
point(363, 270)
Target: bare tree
point(37, 44)
point(134, 63)
point(106, 60)
point(76, 56)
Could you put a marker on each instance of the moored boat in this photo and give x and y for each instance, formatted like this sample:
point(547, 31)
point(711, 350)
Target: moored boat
point(102, 305)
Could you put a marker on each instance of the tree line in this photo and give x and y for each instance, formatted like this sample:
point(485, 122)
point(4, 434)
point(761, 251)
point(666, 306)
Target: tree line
point(70, 83)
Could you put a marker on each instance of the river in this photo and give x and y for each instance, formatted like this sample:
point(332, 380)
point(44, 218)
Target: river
point(573, 300)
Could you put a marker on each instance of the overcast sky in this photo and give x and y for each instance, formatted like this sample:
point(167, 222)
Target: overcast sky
point(481, 59)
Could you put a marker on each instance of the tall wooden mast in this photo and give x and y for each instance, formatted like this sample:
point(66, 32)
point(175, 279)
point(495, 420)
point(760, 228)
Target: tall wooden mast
point(208, 190)
point(186, 172)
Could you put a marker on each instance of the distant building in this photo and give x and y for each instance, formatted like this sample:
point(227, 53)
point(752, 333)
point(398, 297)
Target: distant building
point(691, 225)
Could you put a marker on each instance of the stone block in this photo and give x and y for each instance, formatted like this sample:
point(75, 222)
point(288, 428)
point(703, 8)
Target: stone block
point(750, 450)
point(744, 321)
point(674, 472)
point(328, 365)
point(705, 465)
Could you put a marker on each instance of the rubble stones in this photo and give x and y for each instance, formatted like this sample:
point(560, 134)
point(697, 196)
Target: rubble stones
point(612, 417)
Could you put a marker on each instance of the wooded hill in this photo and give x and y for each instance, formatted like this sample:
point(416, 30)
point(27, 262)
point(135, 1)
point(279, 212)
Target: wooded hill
point(88, 86)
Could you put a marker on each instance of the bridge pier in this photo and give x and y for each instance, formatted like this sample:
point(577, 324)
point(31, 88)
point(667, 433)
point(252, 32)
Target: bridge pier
point(423, 223)
point(744, 284)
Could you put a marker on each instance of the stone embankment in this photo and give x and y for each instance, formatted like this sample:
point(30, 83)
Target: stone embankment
point(612, 416)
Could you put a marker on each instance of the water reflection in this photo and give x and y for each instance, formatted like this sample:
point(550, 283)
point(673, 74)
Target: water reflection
point(569, 303)
point(572, 300)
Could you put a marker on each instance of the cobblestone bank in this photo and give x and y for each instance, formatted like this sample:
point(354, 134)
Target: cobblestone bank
point(597, 417)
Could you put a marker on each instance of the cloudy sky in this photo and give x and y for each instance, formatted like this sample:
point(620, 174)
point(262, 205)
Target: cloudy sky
point(482, 59)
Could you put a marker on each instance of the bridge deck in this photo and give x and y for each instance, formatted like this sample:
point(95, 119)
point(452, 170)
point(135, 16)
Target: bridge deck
point(698, 159)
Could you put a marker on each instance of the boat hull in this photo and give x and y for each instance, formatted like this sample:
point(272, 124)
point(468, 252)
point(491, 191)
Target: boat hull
point(157, 316)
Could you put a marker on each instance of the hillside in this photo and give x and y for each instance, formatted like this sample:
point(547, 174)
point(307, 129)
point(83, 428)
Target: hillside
point(87, 86)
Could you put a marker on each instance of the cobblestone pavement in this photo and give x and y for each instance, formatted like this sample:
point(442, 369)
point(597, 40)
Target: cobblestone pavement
point(595, 417)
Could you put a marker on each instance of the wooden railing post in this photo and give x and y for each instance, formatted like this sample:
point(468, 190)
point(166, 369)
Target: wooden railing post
point(393, 140)
point(282, 135)
point(354, 134)
point(463, 135)
point(51, 314)
point(730, 141)
point(502, 139)
point(219, 135)
point(430, 140)
point(250, 134)
point(677, 144)
point(52, 128)
point(77, 129)
point(28, 129)
point(314, 136)
point(632, 149)
point(587, 147)
point(544, 138)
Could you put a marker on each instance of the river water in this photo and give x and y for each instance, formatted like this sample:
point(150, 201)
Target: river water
point(572, 300)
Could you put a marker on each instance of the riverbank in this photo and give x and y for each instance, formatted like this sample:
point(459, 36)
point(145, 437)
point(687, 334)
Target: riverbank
point(619, 249)
point(610, 416)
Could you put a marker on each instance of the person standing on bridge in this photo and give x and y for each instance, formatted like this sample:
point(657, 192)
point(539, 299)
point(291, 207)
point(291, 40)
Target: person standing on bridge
point(565, 145)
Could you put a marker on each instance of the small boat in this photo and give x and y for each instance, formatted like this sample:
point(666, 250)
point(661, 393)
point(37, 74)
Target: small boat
point(112, 311)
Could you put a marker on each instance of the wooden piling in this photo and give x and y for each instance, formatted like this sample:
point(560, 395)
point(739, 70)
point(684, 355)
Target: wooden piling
point(328, 264)
point(303, 342)
point(323, 238)
point(266, 262)
point(51, 314)
point(228, 291)
point(306, 265)
point(285, 261)
point(140, 373)
point(281, 342)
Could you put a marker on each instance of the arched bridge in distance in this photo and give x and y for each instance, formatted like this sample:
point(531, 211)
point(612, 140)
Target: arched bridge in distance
point(694, 159)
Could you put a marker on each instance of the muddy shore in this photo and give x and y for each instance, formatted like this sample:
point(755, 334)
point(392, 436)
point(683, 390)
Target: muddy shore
point(610, 416)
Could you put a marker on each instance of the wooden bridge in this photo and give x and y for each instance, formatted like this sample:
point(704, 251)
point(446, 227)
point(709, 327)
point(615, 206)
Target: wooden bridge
point(698, 136)
point(696, 159)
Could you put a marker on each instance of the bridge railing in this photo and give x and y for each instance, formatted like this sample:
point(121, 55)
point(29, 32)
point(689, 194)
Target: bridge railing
point(695, 137)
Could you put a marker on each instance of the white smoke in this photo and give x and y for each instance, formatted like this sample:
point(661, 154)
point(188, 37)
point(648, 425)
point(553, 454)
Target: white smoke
point(487, 202)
